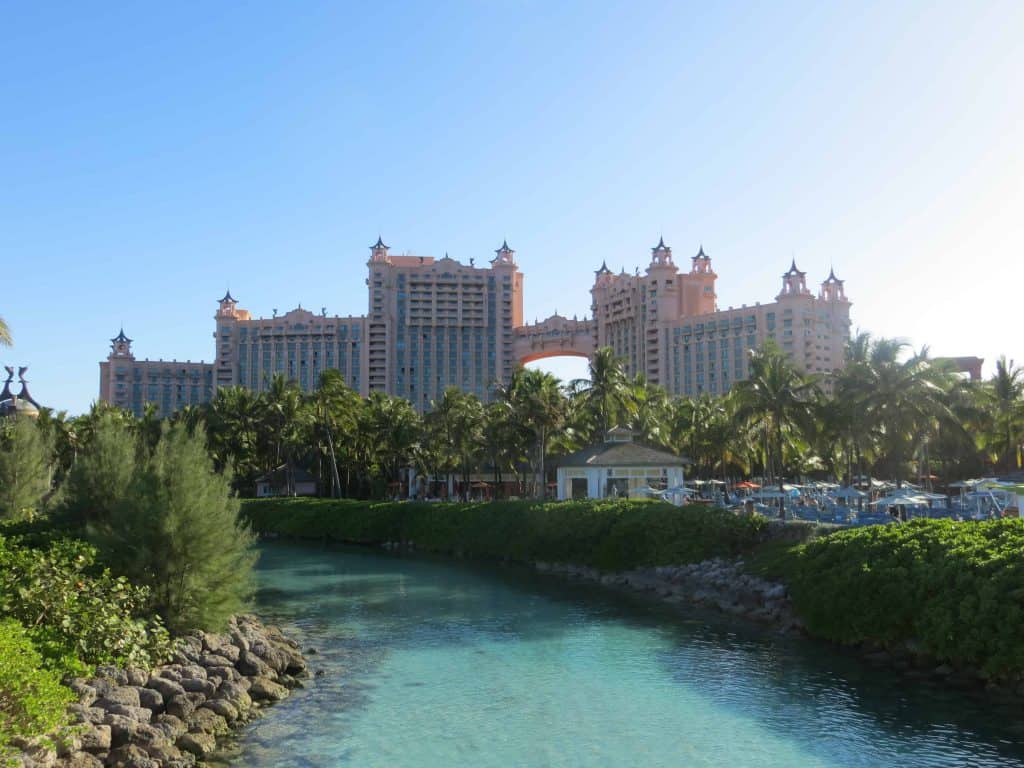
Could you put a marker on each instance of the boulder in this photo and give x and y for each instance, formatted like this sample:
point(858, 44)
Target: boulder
point(171, 726)
point(122, 729)
point(203, 686)
point(251, 665)
point(80, 714)
point(223, 708)
point(111, 672)
point(130, 756)
point(180, 706)
point(165, 687)
point(121, 695)
point(199, 744)
point(264, 689)
point(86, 693)
point(80, 760)
point(207, 721)
point(235, 694)
point(151, 699)
point(138, 714)
point(223, 673)
point(137, 676)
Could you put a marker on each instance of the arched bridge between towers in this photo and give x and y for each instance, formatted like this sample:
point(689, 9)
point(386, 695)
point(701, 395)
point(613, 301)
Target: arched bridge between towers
point(554, 337)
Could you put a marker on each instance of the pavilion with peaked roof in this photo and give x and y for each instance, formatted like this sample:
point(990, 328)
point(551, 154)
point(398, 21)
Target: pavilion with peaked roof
point(617, 468)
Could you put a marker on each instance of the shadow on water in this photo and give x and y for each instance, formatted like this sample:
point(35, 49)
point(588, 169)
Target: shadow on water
point(403, 602)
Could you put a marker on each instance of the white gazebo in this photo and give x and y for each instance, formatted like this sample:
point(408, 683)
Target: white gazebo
point(618, 468)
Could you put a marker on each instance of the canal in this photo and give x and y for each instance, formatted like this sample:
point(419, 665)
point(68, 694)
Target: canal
point(431, 663)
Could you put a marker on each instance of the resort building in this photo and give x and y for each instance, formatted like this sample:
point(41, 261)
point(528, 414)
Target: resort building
point(666, 324)
point(435, 323)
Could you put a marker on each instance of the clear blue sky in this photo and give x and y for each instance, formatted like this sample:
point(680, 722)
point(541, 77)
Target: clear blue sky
point(152, 155)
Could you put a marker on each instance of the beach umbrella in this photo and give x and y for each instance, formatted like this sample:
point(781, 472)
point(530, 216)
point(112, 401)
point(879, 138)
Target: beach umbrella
point(894, 499)
point(847, 493)
point(747, 484)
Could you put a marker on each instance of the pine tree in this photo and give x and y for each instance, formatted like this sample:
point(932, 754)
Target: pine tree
point(24, 470)
point(102, 472)
point(178, 532)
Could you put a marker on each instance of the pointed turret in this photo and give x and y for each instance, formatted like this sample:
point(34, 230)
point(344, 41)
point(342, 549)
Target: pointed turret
point(700, 263)
point(832, 289)
point(504, 255)
point(603, 270)
point(794, 282)
point(379, 251)
point(121, 345)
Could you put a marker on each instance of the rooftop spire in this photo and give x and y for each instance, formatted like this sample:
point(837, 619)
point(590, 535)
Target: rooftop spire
point(660, 246)
point(228, 297)
point(603, 270)
point(504, 247)
point(379, 244)
point(121, 337)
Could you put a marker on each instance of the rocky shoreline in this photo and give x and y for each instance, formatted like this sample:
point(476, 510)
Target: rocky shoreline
point(173, 715)
point(717, 583)
point(723, 585)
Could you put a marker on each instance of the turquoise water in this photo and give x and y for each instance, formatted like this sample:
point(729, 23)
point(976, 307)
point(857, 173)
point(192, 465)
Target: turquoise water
point(437, 664)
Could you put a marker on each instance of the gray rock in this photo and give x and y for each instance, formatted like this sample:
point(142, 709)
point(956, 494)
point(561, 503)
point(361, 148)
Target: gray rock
point(110, 672)
point(138, 714)
point(171, 726)
point(122, 729)
point(207, 721)
point(223, 673)
point(180, 706)
point(264, 689)
point(251, 665)
point(165, 687)
point(151, 699)
point(130, 756)
point(235, 694)
point(137, 676)
point(203, 686)
point(80, 760)
point(223, 708)
point(121, 695)
point(199, 744)
point(86, 693)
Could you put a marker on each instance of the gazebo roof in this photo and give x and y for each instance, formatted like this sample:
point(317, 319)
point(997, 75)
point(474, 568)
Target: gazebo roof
point(621, 454)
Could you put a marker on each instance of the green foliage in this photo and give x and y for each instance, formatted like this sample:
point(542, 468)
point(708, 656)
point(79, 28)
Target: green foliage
point(24, 470)
point(609, 534)
point(103, 471)
point(77, 614)
point(956, 590)
point(177, 532)
point(32, 700)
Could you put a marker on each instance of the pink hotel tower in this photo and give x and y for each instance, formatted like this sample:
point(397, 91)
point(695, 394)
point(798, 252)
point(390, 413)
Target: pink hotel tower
point(435, 323)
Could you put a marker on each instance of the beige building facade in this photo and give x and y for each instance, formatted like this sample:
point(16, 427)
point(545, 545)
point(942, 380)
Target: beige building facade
point(435, 323)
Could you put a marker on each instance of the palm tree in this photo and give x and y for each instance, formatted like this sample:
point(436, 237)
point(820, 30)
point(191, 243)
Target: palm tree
point(779, 400)
point(906, 403)
point(541, 408)
point(394, 430)
point(5, 334)
point(1004, 396)
point(335, 409)
point(606, 395)
point(455, 426)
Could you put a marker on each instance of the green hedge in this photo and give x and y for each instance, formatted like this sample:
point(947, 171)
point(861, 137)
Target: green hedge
point(955, 591)
point(611, 535)
point(32, 700)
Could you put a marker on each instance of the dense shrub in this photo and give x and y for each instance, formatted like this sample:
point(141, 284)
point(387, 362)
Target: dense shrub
point(32, 700)
point(956, 590)
point(610, 534)
point(177, 531)
point(77, 614)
